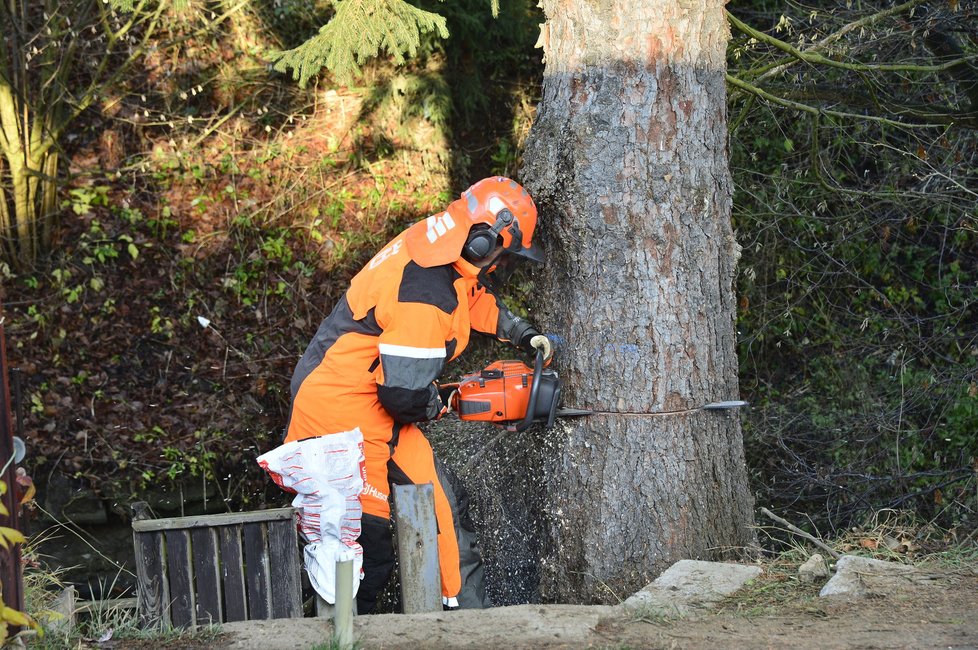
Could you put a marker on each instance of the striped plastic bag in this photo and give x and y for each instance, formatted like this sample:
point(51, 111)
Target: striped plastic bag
point(327, 475)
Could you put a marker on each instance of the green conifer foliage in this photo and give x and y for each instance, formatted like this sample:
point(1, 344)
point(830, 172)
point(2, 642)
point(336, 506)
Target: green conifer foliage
point(359, 31)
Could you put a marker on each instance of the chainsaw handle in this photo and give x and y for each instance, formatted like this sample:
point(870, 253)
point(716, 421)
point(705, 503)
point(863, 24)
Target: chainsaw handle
point(448, 393)
point(531, 406)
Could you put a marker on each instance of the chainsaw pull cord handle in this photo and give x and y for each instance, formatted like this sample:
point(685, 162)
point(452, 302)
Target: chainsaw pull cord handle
point(531, 406)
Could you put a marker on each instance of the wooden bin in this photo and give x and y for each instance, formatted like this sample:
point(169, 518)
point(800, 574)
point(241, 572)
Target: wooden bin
point(216, 568)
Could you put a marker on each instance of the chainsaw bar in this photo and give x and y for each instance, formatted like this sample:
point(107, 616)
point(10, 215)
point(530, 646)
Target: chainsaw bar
point(571, 413)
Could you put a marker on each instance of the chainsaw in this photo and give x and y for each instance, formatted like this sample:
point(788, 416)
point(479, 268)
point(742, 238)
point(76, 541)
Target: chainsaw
point(511, 395)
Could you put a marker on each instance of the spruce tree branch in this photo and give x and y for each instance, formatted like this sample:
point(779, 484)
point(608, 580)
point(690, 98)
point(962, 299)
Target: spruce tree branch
point(818, 59)
point(780, 66)
point(814, 110)
point(852, 98)
point(359, 31)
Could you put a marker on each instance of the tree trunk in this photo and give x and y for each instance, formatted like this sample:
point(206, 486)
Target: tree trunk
point(29, 206)
point(15, 229)
point(627, 160)
point(28, 179)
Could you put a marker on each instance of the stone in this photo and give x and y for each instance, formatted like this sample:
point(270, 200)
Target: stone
point(813, 569)
point(858, 577)
point(59, 618)
point(691, 585)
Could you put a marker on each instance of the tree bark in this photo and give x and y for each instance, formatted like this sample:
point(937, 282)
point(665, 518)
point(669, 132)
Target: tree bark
point(627, 160)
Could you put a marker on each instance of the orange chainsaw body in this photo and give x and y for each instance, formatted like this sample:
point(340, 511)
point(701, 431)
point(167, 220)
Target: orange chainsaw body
point(505, 392)
point(500, 393)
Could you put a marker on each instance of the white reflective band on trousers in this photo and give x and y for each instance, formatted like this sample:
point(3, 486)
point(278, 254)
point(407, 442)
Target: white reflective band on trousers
point(327, 474)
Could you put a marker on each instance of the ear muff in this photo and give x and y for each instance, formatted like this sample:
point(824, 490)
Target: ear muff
point(482, 242)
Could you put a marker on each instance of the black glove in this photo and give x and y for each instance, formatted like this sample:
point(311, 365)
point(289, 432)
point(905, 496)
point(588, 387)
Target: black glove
point(515, 330)
point(447, 395)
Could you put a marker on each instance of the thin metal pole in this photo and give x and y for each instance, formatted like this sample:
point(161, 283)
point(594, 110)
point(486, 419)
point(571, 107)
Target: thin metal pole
point(343, 612)
point(17, 386)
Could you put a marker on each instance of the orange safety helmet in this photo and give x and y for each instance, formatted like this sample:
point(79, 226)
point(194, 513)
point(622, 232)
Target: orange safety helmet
point(493, 209)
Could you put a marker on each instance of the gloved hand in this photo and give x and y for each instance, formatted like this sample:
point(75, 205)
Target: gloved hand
point(447, 395)
point(439, 402)
point(543, 344)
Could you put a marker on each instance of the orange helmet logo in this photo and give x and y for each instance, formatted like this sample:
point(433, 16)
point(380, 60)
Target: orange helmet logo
point(439, 239)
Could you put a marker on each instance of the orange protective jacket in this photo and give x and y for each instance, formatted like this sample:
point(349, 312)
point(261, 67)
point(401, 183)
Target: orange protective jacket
point(373, 363)
point(376, 357)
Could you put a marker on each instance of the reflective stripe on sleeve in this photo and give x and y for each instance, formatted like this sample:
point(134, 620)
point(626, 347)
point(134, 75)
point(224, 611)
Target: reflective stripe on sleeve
point(412, 352)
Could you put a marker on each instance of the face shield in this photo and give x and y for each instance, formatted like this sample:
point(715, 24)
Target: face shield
point(534, 252)
point(497, 273)
point(495, 276)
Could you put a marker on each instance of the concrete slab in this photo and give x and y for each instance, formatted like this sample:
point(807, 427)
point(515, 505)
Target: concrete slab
point(499, 627)
point(690, 585)
point(857, 577)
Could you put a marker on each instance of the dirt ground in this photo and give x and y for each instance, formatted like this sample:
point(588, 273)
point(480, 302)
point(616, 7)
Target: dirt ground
point(774, 612)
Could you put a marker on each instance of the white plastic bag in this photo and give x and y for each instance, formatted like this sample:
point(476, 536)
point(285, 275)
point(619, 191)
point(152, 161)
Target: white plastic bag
point(327, 474)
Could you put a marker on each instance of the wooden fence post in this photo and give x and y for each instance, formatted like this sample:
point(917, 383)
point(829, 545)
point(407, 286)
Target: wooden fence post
point(417, 548)
point(153, 594)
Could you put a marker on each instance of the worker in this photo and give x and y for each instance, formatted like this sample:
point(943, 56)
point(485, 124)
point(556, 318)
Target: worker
point(369, 376)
